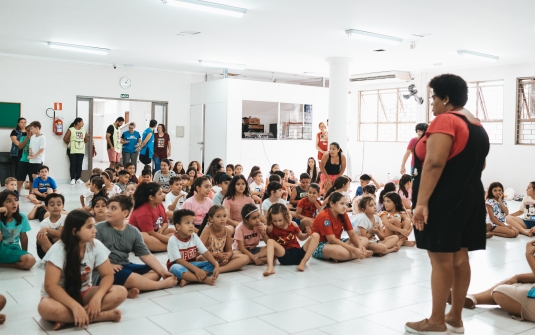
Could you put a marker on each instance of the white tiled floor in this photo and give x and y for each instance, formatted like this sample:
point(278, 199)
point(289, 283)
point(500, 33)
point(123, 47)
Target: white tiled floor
point(372, 296)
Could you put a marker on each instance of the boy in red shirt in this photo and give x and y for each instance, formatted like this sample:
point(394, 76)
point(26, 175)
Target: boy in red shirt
point(307, 207)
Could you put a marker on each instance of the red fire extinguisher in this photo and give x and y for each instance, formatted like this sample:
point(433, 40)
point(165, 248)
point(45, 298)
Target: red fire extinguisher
point(57, 124)
point(58, 127)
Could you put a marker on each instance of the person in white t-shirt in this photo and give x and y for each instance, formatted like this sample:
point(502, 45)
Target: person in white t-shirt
point(67, 295)
point(50, 228)
point(175, 198)
point(36, 156)
point(257, 187)
point(183, 249)
point(274, 190)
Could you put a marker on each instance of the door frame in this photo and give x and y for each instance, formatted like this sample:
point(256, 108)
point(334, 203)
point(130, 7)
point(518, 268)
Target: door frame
point(90, 130)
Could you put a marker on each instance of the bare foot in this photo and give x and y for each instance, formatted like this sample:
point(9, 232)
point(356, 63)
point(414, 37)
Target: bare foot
point(113, 315)
point(132, 293)
point(489, 235)
point(209, 281)
point(369, 253)
point(409, 243)
point(301, 267)
point(183, 283)
point(58, 325)
point(169, 282)
point(2, 318)
point(269, 272)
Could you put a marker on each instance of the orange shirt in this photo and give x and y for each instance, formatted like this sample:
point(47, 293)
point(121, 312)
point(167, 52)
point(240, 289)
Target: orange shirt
point(326, 224)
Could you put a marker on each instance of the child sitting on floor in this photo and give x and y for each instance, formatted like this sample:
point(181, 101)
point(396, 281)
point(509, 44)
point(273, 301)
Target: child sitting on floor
point(130, 189)
point(367, 191)
point(11, 185)
point(497, 212)
point(134, 277)
point(274, 190)
point(51, 227)
point(405, 192)
point(183, 249)
point(396, 220)
point(368, 225)
point(131, 169)
point(99, 208)
point(111, 188)
point(42, 185)
point(146, 176)
point(248, 233)
point(97, 189)
point(216, 236)
point(123, 177)
point(175, 198)
point(69, 266)
point(282, 243)
point(223, 181)
point(307, 207)
point(197, 199)
point(13, 238)
point(257, 187)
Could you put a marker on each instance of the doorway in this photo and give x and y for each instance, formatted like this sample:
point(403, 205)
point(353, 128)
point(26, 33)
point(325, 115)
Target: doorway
point(98, 113)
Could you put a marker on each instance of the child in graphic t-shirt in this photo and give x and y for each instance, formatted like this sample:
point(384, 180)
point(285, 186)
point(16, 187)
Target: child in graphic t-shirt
point(175, 198)
point(307, 207)
point(257, 187)
point(51, 227)
point(283, 243)
point(150, 217)
point(42, 186)
point(183, 249)
point(248, 233)
point(526, 224)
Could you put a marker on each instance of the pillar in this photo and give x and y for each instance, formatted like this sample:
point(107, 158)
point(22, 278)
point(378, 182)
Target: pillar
point(338, 100)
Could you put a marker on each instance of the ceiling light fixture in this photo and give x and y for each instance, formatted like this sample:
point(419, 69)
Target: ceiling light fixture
point(222, 65)
point(478, 55)
point(373, 36)
point(206, 6)
point(79, 48)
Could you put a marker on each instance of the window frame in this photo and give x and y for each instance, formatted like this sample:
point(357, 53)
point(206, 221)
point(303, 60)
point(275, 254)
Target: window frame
point(519, 111)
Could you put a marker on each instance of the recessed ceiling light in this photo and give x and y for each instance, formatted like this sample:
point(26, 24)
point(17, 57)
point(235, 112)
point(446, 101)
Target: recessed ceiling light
point(379, 50)
point(79, 48)
point(374, 36)
point(206, 6)
point(222, 65)
point(190, 32)
point(478, 55)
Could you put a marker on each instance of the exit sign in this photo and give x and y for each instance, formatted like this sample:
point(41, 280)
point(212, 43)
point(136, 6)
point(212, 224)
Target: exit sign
point(125, 96)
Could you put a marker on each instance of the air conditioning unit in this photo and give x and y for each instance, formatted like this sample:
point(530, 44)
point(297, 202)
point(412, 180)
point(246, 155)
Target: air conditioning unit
point(381, 77)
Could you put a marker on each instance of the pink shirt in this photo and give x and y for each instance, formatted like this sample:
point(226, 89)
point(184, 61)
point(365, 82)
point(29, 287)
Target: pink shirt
point(199, 209)
point(250, 238)
point(409, 191)
point(236, 205)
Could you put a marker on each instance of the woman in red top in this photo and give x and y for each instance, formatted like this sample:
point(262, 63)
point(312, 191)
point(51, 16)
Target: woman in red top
point(449, 207)
point(328, 225)
point(322, 141)
point(162, 146)
point(150, 218)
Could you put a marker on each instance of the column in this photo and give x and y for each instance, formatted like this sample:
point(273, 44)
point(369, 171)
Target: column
point(338, 100)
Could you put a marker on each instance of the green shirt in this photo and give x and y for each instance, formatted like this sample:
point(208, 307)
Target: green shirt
point(25, 151)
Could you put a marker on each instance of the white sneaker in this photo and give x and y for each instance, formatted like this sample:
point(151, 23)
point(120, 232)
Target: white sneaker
point(73, 181)
point(80, 182)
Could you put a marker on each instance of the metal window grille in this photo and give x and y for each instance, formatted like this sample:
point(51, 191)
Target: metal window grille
point(485, 101)
point(525, 121)
point(384, 116)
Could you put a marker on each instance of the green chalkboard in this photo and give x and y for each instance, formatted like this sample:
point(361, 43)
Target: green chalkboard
point(9, 114)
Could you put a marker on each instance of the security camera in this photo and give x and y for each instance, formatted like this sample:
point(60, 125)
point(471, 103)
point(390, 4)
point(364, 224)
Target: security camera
point(114, 66)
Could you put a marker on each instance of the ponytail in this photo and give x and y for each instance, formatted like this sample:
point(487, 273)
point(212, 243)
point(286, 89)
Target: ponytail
point(196, 183)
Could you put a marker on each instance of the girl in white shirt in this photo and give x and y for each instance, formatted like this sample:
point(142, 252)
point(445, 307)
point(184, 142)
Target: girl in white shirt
point(274, 190)
point(67, 294)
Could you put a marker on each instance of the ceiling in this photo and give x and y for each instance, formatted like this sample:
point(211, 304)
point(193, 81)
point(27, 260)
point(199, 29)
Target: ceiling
point(288, 37)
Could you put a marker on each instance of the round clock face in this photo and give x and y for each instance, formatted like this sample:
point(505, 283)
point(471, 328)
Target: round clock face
point(125, 82)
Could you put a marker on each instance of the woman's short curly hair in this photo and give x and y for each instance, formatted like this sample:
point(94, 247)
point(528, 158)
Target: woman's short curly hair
point(452, 86)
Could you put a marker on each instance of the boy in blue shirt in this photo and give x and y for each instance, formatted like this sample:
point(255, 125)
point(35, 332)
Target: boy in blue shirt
point(42, 185)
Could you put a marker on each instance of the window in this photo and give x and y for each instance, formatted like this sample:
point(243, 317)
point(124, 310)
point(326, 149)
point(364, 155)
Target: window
point(485, 101)
point(384, 116)
point(525, 122)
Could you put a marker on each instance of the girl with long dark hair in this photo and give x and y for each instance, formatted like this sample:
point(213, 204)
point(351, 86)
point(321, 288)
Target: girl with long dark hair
point(312, 170)
point(67, 295)
point(237, 196)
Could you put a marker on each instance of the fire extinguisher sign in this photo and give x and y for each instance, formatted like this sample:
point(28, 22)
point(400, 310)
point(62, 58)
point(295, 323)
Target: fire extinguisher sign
point(58, 106)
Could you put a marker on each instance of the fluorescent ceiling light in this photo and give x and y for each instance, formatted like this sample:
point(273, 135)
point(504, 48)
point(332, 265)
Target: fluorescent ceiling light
point(79, 48)
point(478, 55)
point(222, 65)
point(206, 6)
point(374, 36)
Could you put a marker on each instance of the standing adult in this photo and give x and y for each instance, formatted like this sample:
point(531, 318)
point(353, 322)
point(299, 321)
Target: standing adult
point(449, 207)
point(76, 137)
point(132, 144)
point(332, 165)
point(322, 141)
point(147, 143)
point(420, 131)
point(114, 142)
point(162, 146)
point(15, 136)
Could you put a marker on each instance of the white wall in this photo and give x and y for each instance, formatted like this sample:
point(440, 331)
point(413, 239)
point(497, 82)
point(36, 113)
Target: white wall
point(37, 84)
point(508, 163)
